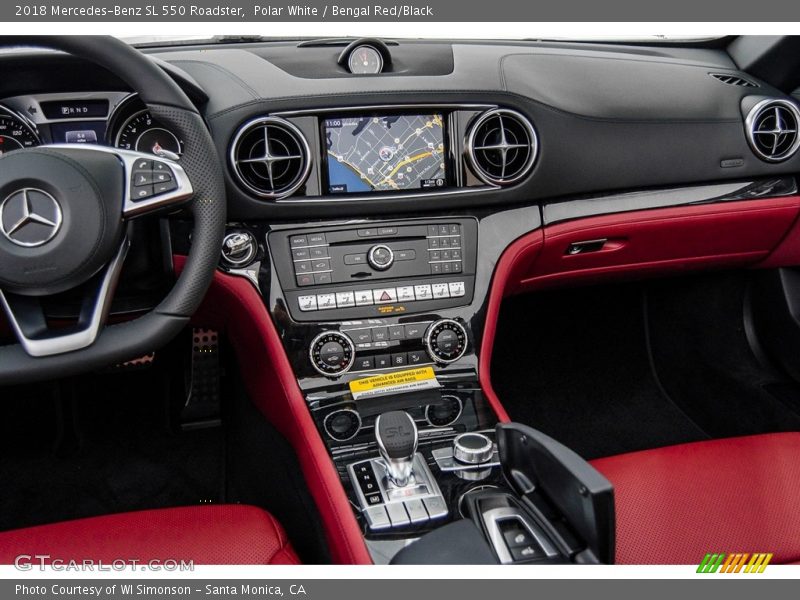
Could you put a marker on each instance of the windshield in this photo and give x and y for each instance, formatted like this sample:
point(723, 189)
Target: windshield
point(166, 40)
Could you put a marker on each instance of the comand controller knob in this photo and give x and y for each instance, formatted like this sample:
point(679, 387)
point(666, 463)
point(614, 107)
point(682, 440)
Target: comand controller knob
point(380, 257)
point(472, 448)
point(332, 353)
point(445, 341)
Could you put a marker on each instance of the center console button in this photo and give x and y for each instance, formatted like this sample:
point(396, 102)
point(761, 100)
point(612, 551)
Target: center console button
point(383, 361)
point(377, 517)
point(516, 536)
point(326, 301)
point(415, 331)
point(305, 279)
point(400, 359)
point(384, 295)
point(405, 293)
point(300, 254)
point(355, 259)
point(365, 363)
point(307, 303)
point(397, 514)
point(321, 252)
point(396, 332)
point(297, 241)
point(436, 507)
point(363, 297)
point(380, 334)
point(416, 511)
point(423, 292)
point(345, 299)
point(441, 290)
point(316, 239)
point(322, 278)
point(361, 336)
point(303, 266)
point(387, 231)
point(456, 289)
point(405, 255)
point(417, 357)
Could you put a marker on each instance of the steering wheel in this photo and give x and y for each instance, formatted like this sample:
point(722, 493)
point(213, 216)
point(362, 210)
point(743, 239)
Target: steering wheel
point(65, 210)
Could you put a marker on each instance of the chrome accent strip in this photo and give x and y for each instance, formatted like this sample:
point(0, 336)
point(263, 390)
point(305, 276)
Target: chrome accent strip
point(59, 344)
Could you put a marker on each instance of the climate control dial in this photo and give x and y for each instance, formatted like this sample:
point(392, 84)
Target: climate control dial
point(332, 353)
point(446, 341)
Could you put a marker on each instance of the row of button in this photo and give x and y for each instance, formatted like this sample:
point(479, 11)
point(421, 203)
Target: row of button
point(386, 361)
point(151, 178)
point(413, 331)
point(410, 512)
point(410, 293)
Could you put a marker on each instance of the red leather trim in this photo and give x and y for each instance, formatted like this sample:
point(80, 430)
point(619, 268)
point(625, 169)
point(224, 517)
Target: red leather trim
point(641, 243)
point(663, 241)
point(516, 259)
point(208, 535)
point(675, 504)
point(232, 305)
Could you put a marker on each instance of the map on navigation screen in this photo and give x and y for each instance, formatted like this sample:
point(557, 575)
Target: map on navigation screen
point(397, 152)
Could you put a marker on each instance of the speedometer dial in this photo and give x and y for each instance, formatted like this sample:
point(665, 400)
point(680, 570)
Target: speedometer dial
point(15, 134)
point(144, 134)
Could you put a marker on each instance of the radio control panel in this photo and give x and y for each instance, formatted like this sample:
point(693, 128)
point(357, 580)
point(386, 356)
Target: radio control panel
point(346, 272)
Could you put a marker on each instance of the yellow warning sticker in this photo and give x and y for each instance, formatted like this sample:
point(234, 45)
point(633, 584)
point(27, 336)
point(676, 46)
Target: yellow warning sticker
point(409, 380)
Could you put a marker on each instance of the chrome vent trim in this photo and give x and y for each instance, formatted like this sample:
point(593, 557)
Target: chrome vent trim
point(772, 129)
point(270, 157)
point(501, 146)
point(731, 79)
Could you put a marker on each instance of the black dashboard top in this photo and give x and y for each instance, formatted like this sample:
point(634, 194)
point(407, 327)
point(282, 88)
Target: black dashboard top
point(607, 118)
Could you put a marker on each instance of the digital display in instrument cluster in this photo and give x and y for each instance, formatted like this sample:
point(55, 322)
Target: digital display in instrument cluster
point(385, 153)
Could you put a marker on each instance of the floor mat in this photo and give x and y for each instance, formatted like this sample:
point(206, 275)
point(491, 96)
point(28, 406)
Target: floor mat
point(574, 365)
point(101, 445)
point(706, 363)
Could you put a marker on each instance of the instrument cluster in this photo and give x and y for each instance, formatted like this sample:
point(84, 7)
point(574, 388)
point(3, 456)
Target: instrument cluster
point(115, 119)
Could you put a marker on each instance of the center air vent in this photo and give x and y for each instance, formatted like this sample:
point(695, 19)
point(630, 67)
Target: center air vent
point(270, 157)
point(772, 129)
point(501, 146)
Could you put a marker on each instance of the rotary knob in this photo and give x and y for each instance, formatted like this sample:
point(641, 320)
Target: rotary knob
point(472, 448)
point(239, 249)
point(332, 353)
point(446, 341)
point(380, 257)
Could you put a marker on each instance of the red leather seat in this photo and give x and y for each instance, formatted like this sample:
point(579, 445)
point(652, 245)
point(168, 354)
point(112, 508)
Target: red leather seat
point(675, 504)
point(208, 535)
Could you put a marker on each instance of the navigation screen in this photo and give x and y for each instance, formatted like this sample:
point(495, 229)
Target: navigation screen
point(376, 154)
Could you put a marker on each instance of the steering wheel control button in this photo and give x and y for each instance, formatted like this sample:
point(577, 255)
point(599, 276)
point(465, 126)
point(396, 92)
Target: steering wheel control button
point(473, 448)
point(380, 257)
point(151, 178)
point(332, 353)
point(446, 341)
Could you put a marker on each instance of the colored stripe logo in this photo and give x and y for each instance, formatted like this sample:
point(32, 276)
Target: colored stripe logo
point(735, 562)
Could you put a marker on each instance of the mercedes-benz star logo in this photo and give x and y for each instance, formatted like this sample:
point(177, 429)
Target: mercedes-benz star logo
point(30, 217)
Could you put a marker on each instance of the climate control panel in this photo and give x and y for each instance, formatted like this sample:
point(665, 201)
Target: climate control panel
point(370, 346)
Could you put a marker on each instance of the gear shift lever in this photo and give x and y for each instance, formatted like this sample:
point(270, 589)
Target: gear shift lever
point(396, 434)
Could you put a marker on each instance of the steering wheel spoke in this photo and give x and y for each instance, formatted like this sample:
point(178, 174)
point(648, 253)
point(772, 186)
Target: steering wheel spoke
point(27, 318)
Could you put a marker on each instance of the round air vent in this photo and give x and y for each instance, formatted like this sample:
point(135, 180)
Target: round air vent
point(270, 157)
point(501, 146)
point(772, 129)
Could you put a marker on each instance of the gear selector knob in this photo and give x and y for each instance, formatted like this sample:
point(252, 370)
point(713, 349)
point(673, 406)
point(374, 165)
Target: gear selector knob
point(396, 434)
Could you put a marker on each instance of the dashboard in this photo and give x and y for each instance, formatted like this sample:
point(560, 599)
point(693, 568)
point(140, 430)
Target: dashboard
point(117, 119)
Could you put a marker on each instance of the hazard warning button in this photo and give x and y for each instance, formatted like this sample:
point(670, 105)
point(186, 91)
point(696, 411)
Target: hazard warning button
point(384, 295)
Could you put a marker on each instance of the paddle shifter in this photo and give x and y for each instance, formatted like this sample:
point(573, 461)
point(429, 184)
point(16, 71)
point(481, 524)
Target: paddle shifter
point(396, 434)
